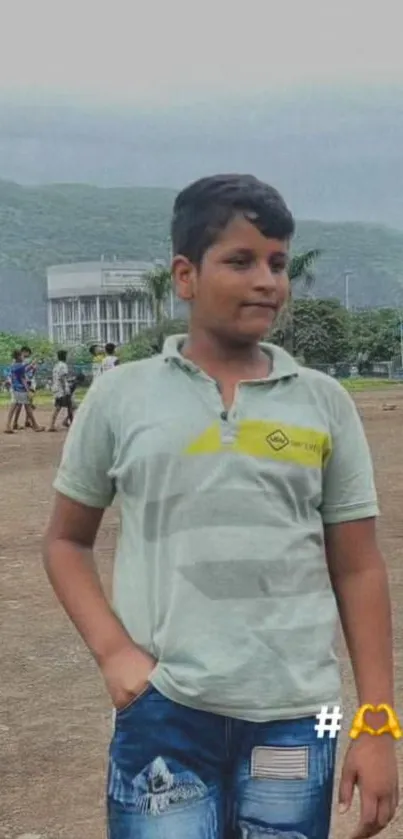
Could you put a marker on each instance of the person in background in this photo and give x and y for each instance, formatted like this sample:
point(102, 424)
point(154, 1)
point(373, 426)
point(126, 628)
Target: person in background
point(20, 395)
point(30, 370)
point(61, 390)
point(111, 360)
point(97, 359)
point(74, 381)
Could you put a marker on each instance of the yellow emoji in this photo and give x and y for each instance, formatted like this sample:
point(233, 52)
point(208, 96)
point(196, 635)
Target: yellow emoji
point(392, 726)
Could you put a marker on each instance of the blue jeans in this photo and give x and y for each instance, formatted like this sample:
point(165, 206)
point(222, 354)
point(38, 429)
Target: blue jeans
point(179, 773)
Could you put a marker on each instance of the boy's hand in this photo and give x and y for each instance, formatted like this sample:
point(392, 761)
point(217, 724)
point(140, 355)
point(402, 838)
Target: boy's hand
point(371, 765)
point(126, 674)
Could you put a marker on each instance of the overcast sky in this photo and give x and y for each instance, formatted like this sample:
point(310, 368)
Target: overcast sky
point(156, 51)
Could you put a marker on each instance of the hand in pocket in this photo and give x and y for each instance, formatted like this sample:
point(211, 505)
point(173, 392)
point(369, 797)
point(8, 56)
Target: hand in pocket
point(126, 674)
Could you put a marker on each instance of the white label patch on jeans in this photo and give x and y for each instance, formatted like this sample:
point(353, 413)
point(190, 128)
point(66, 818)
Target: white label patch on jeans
point(276, 763)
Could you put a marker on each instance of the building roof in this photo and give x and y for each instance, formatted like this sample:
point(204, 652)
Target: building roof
point(102, 265)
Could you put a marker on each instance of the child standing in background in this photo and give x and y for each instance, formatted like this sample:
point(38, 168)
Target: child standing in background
point(61, 390)
point(111, 360)
point(20, 395)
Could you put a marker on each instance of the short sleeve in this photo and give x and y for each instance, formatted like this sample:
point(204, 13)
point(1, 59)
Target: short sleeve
point(83, 474)
point(349, 491)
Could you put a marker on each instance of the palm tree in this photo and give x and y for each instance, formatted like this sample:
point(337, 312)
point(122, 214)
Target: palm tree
point(154, 292)
point(299, 270)
point(300, 267)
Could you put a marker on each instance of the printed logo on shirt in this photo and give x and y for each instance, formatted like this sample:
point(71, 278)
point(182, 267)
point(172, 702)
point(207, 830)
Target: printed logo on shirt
point(277, 440)
point(257, 438)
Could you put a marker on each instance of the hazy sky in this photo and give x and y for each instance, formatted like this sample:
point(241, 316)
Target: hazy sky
point(152, 51)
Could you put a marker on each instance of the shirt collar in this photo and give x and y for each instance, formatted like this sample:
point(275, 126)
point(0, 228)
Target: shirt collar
point(284, 365)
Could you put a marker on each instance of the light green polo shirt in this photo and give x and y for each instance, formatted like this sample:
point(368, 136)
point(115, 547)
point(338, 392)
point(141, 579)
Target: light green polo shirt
point(220, 568)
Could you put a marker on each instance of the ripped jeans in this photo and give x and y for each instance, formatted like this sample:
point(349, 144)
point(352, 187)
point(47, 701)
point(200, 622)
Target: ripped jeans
point(179, 773)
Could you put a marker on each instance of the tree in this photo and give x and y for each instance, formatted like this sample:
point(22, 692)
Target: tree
point(155, 292)
point(299, 270)
point(41, 347)
point(376, 334)
point(148, 342)
point(321, 332)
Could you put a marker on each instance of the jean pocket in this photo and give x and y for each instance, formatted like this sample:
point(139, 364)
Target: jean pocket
point(149, 688)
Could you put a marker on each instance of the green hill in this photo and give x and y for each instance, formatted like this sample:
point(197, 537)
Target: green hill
point(45, 225)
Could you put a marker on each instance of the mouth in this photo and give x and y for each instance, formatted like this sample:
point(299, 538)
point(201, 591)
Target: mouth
point(263, 306)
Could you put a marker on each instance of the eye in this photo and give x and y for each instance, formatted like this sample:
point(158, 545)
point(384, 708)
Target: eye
point(278, 267)
point(241, 261)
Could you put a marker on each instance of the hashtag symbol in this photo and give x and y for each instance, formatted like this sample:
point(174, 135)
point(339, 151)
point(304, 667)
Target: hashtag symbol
point(329, 721)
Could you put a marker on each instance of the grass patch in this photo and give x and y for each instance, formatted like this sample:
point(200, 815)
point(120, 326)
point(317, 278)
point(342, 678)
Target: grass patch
point(359, 384)
point(45, 399)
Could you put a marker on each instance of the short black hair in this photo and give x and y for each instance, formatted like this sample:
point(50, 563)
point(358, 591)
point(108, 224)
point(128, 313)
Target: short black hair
point(110, 349)
point(204, 209)
point(93, 349)
point(62, 355)
point(16, 355)
point(27, 349)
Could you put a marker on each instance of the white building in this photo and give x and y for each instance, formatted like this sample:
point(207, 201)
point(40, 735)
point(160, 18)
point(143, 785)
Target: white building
point(86, 302)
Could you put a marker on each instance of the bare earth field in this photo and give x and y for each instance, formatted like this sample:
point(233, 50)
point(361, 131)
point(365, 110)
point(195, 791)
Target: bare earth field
point(55, 717)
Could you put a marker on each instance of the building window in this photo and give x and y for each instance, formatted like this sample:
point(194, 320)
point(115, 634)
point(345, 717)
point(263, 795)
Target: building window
point(102, 309)
point(114, 333)
point(128, 310)
point(58, 334)
point(113, 308)
point(72, 333)
point(104, 333)
point(128, 332)
point(57, 311)
point(71, 311)
point(143, 310)
point(88, 306)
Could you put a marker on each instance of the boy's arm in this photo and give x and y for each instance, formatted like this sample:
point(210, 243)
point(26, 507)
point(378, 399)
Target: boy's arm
point(69, 562)
point(360, 583)
point(84, 490)
point(359, 579)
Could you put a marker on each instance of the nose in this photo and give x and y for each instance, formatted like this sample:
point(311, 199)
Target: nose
point(264, 279)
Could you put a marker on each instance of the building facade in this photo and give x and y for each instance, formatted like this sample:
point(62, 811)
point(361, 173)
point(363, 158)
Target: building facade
point(87, 303)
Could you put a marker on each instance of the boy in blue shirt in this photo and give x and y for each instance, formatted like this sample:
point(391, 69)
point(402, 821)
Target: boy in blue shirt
point(20, 395)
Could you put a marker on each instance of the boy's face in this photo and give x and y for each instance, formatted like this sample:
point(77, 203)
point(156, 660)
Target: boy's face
point(25, 354)
point(241, 285)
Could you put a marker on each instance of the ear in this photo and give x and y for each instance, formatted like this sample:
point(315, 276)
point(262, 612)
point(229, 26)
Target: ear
point(184, 278)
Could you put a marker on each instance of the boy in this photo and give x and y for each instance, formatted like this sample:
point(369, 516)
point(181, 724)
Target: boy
point(20, 395)
point(74, 381)
point(30, 370)
point(61, 390)
point(247, 512)
point(97, 359)
point(111, 360)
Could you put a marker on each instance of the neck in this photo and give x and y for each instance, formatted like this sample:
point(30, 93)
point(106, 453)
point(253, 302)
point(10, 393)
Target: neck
point(206, 351)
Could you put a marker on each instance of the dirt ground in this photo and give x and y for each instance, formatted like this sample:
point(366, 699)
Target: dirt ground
point(55, 717)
